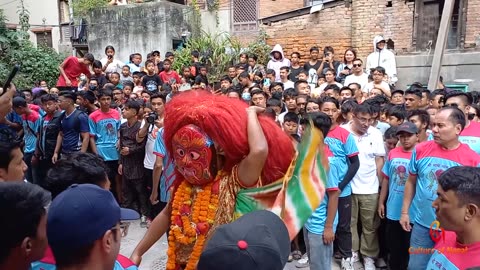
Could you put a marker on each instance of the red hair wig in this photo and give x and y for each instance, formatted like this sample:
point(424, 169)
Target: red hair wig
point(224, 120)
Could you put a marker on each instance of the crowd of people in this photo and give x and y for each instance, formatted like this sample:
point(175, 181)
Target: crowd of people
point(402, 164)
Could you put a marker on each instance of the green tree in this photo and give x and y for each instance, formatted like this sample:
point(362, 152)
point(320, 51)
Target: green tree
point(37, 63)
point(217, 53)
point(83, 7)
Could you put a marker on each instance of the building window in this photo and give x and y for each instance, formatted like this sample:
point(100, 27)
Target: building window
point(44, 38)
point(245, 15)
point(427, 24)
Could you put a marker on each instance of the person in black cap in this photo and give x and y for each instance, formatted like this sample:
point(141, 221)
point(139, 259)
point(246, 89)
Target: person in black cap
point(256, 241)
point(85, 227)
point(397, 97)
point(395, 174)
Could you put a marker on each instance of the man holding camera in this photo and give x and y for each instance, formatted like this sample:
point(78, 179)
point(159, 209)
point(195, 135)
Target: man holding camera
point(328, 61)
point(151, 124)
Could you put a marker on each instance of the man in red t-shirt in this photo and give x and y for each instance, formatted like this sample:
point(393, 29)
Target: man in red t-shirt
point(71, 69)
point(458, 212)
point(167, 75)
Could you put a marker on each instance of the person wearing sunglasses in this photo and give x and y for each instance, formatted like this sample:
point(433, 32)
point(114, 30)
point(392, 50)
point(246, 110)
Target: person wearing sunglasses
point(357, 76)
point(470, 135)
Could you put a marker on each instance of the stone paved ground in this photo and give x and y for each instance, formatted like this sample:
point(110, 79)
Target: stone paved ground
point(155, 258)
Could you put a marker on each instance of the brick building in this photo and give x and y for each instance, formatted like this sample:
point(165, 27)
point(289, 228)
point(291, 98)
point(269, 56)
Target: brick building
point(412, 26)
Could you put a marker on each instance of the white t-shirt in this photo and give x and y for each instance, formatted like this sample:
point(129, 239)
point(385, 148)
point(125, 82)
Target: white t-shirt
point(150, 158)
point(114, 66)
point(362, 79)
point(324, 85)
point(370, 86)
point(370, 146)
point(288, 84)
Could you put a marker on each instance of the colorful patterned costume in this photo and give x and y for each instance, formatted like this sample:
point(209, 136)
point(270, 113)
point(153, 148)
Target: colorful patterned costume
point(197, 125)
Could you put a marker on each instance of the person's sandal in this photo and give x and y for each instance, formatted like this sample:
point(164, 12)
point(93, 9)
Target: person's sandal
point(297, 255)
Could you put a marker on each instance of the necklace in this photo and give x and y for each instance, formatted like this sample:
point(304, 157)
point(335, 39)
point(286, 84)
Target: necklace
point(193, 213)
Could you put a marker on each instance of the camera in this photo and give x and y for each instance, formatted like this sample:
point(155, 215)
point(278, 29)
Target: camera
point(152, 117)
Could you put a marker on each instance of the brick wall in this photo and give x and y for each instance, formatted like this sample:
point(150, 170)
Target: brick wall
point(273, 7)
point(331, 26)
point(373, 17)
point(472, 35)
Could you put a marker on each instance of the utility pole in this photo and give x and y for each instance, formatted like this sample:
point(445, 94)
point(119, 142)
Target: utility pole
point(440, 45)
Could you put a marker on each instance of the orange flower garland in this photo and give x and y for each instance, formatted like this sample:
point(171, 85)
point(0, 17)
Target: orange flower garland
point(190, 222)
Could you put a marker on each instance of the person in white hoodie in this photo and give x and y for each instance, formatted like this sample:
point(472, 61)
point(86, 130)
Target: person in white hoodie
point(382, 57)
point(277, 60)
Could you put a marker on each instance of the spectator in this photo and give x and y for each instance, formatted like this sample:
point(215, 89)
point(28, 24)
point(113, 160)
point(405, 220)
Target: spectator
point(428, 162)
point(74, 134)
point(277, 60)
point(295, 67)
point(23, 229)
point(12, 165)
point(31, 124)
point(132, 154)
point(383, 57)
point(328, 61)
point(346, 68)
point(104, 125)
point(50, 126)
point(357, 75)
point(109, 63)
point(89, 236)
point(71, 69)
point(365, 185)
point(470, 135)
point(457, 206)
point(395, 172)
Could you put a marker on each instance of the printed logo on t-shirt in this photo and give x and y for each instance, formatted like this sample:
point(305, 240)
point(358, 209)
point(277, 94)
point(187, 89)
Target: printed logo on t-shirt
point(151, 86)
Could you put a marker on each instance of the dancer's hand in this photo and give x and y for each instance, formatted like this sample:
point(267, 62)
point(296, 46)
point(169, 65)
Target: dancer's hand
point(256, 109)
point(136, 259)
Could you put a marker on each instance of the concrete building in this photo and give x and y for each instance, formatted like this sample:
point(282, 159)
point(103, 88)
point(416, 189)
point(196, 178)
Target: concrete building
point(49, 21)
point(137, 28)
point(410, 25)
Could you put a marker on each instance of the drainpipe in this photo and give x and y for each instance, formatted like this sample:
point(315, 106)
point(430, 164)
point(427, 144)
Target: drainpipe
point(70, 13)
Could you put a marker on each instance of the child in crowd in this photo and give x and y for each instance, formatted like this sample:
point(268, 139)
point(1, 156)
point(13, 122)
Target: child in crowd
point(126, 75)
point(151, 81)
point(290, 123)
point(395, 172)
point(168, 75)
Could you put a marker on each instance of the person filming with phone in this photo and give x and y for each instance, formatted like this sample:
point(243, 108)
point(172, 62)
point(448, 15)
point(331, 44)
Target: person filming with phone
point(328, 61)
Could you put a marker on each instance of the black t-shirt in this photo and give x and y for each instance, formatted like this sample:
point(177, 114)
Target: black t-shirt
point(101, 79)
point(327, 66)
point(308, 66)
point(151, 83)
point(294, 73)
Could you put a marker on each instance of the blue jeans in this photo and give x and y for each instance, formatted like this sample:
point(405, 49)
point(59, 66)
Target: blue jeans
point(319, 254)
point(420, 238)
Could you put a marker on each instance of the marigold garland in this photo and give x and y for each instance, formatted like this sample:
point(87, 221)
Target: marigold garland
point(191, 220)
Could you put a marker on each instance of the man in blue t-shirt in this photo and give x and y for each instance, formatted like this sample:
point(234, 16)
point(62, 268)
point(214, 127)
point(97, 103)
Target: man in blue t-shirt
point(429, 160)
point(320, 227)
point(73, 135)
point(104, 128)
point(31, 123)
point(163, 170)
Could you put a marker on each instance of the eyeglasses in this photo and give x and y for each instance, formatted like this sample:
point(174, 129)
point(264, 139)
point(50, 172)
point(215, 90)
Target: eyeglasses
point(123, 228)
point(357, 65)
point(365, 120)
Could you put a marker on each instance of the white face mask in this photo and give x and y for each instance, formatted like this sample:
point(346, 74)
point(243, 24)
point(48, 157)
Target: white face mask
point(83, 77)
